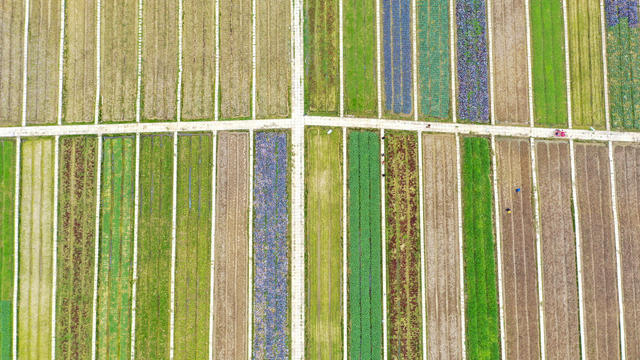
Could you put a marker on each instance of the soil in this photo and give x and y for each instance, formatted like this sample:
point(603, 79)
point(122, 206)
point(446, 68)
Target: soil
point(11, 61)
point(519, 266)
point(231, 246)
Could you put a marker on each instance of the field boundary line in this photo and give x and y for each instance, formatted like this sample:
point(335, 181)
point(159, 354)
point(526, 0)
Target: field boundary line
point(297, 244)
point(25, 50)
point(492, 107)
point(414, 55)
point(605, 71)
point(616, 233)
point(96, 110)
point(496, 206)
point(63, 6)
point(297, 51)
point(461, 249)
point(56, 175)
point(344, 243)
point(16, 249)
point(529, 68)
point(454, 74)
point(134, 285)
point(96, 250)
point(139, 69)
point(179, 86)
point(250, 248)
point(172, 303)
point(214, 141)
point(378, 61)
point(422, 249)
point(537, 224)
point(567, 62)
point(383, 231)
point(254, 75)
point(341, 58)
point(216, 85)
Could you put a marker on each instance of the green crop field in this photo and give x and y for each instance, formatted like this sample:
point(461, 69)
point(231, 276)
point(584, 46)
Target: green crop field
point(365, 246)
point(76, 246)
point(154, 246)
point(7, 201)
point(548, 63)
point(483, 338)
point(623, 61)
point(115, 262)
point(323, 250)
point(193, 246)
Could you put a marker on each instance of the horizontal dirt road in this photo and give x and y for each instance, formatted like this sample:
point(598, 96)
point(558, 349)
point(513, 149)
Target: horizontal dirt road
point(11, 61)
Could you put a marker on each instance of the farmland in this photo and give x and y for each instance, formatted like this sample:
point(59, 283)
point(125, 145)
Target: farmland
point(585, 63)
point(321, 85)
point(599, 289)
point(397, 52)
point(76, 244)
point(35, 279)
point(623, 60)
point(235, 59)
point(627, 175)
point(11, 67)
point(359, 56)
point(434, 60)
point(115, 263)
point(481, 293)
point(442, 244)
point(193, 246)
point(518, 236)
point(323, 243)
point(231, 246)
point(472, 61)
point(7, 199)
point(365, 246)
point(559, 285)
point(271, 339)
point(154, 246)
point(402, 245)
point(548, 63)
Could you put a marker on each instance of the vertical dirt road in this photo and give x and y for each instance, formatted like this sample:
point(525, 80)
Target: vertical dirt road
point(11, 61)
point(235, 58)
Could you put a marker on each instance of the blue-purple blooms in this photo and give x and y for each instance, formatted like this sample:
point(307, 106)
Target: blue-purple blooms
point(473, 79)
point(620, 9)
point(398, 72)
point(270, 247)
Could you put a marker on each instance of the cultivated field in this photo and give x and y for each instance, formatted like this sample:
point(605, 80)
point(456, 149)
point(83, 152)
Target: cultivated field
point(115, 272)
point(193, 246)
point(323, 245)
point(434, 60)
point(403, 246)
point(397, 70)
point(11, 66)
point(80, 61)
point(35, 271)
point(519, 269)
point(600, 293)
point(365, 246)
point(118, 66)
point(359, 56)
point(442, 244)
point(481, 289)
point(154, 246)
point(273, 59)
point(198, 59)
point(231, 246)
point(511, 74)
point(627, 165)
point(548, 63)
point(7, 200)
point(559, 285)
point(76, 246)
point(235, 59)
point(321, 57)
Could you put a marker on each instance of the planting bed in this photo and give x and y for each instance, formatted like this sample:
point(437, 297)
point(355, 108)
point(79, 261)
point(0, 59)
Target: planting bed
point(403, 246)
point(321, 72)
point(397, 52)
point(35, 280)
point(481, 292)
point(519, 263)
point(365, 246)
point(441, 246)
point(599, 283)
point(559, 285)
point(231, 246)
point(76, 246)
point(7, 213)
point(271, 276)
point(193, 246)
point(323, 244)
point(11, 62)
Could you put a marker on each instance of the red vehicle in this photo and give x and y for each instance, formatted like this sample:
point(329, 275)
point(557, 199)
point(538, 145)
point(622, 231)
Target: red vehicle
point(560, 133)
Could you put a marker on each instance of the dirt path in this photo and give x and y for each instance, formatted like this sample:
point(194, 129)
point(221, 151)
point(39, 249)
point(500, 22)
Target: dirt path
point(11, 61)
point(518, 249)
point(600, 294)
point(442, 259)
point(235, 59)
point(231, 246)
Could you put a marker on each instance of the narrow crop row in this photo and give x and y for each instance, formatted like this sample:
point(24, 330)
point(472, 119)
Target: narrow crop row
point(7, 213)
point(397, 48)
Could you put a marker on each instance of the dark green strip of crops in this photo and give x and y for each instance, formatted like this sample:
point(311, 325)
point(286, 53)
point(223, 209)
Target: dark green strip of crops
point(623, 55)
point(7, 201)
point(365, 249)
point(483, 338)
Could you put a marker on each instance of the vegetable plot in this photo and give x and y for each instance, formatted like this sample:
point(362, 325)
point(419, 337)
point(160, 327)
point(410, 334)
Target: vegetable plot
point(397, 52)
point(7, 213)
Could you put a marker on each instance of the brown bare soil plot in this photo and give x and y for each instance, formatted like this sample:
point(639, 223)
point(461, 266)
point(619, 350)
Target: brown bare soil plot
point(231, 246)
point(11, 56)
point(442, 247)
point(118, 60)
point(627, 165)
point(80, 61)
point(599, 284)
point(273, 58)
point(559, 285)
point(510, 62)
point(519, 266)
point(159, 59)
point(199, 54)
point(42, 61)
point(235, 58)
